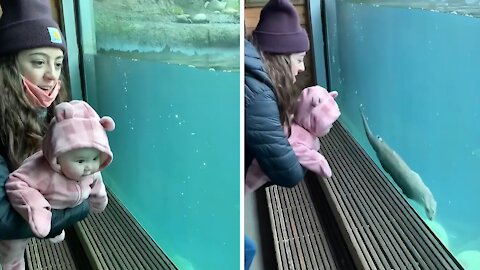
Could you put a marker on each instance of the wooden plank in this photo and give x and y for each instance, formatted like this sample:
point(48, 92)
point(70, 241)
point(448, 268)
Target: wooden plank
point(303, 240)
point(55, 9)
point(43, 254)
point(114, 240)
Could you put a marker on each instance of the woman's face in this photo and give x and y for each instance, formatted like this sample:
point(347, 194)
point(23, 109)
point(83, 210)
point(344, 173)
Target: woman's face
point(41, 66)
point(296, 64)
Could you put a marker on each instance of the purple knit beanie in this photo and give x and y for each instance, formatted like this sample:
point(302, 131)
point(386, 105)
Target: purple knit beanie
point(28, 24)
point(279, 30)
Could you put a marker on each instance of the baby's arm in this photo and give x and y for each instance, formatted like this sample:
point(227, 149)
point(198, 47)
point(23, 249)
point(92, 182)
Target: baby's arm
point(312, 159)
point(98, 198)
point(30, 203)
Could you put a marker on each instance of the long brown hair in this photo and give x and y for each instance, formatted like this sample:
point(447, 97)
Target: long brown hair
point(21, 129)
point(278, 68)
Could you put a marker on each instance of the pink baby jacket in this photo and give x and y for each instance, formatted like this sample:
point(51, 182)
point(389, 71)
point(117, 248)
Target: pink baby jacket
point(315, 113)
point(38, 185)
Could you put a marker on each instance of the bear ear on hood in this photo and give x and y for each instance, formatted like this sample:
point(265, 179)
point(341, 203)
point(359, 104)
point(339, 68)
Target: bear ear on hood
point(334, 94)
point(63, 111)
point(107, 123)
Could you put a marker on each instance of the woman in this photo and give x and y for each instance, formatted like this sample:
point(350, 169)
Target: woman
point(272, 61)
point(31, 56)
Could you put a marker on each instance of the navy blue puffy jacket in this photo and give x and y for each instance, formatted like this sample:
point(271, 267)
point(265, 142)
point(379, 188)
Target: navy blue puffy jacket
point(264, 136)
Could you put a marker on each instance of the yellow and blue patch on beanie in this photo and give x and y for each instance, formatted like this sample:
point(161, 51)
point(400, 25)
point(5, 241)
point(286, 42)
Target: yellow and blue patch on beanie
point(55, 36)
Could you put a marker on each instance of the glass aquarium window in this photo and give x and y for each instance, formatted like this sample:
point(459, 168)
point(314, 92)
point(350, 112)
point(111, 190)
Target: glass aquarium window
point(167, 71)
point(413, 72)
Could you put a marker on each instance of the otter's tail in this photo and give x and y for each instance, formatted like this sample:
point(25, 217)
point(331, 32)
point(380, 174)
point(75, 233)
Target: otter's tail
point(368, 132)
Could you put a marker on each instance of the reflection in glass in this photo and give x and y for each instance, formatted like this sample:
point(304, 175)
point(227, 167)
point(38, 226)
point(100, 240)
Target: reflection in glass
point(203, 34)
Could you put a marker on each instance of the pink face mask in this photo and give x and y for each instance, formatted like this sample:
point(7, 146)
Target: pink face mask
point(38, 96)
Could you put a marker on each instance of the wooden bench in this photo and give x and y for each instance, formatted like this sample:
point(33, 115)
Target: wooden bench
point(379, 227)
point(43, 255)
point(113, 240)
point(110, 240)
point(303, 237)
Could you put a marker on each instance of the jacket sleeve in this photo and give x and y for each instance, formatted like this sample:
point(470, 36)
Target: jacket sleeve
point(98, 197)
point(12, 225)
point(65, 218)
point(30, 203)
point(265, 138)
point(312, 159)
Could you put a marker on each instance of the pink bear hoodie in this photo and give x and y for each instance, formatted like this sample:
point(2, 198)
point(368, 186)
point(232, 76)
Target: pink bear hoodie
point(315, 113)
point(38, 185)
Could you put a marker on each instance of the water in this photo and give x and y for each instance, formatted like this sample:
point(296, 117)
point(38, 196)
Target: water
point(415, 72)
point(176, 154)
point(214, 59)
point(173, 90)
point(469, 8)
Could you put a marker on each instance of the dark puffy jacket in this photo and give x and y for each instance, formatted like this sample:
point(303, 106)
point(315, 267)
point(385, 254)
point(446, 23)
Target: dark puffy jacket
point(264, 136)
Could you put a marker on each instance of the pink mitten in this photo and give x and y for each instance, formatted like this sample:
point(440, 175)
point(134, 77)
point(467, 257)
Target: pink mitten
point(98, 196)
point(40, 221)
point(326, 170)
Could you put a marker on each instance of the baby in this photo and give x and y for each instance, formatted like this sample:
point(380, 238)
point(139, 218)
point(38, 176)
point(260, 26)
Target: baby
point(67, 171)
point(315, 113)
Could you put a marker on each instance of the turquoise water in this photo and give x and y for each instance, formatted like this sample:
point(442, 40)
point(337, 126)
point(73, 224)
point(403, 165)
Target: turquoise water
point(176, 154)
point(460, 7)
point(415, 73)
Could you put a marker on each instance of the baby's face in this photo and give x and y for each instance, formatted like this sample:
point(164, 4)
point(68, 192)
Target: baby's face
point(78, 163)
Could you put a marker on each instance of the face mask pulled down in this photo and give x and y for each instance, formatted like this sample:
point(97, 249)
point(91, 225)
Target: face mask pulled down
point(38, 96)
